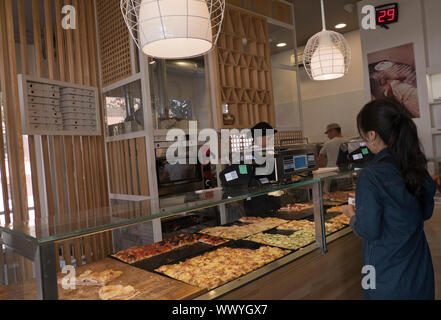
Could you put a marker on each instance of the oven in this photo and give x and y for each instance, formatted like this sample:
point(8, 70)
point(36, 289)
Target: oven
point(177, 178)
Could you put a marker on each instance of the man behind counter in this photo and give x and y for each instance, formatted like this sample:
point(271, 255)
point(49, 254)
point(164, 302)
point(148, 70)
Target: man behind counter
point(331, 148)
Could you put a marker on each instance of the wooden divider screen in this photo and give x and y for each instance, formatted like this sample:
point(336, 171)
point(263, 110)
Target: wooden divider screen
point(244, 70)
point(128, 173)
point(115, 42)
point(74, 167)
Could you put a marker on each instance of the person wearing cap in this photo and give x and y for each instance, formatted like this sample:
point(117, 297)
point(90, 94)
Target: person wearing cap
point(331, 148)
point(266, 131)
point(265, 204)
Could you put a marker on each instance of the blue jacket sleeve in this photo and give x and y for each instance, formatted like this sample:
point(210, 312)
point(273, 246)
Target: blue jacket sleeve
point(369, 209)
point(429, 203)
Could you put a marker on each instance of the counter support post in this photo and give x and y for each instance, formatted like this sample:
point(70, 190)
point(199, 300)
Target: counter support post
point(319, 219)
point(46, 272)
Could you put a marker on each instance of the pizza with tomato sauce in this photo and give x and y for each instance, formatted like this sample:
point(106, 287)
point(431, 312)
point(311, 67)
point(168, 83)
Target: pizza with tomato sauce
point(138, 253)
point(298, 207)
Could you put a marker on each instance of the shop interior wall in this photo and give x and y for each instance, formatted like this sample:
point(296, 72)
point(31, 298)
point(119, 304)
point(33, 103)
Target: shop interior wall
point(325, 102)
point(33, 42)
point(409, 29)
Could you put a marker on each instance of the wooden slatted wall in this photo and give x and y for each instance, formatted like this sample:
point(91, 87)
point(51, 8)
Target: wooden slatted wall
point(115, 41)
point(128, 167)
point(244, 80)
point(76, 179)
point(127, 159)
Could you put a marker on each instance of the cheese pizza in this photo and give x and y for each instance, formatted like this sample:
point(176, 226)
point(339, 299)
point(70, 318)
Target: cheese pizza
point(215, 268)
point(239, 232)
point(338, 209)
point(342, 219)
point(251, 219)
point(297, 225)
point(295, 241)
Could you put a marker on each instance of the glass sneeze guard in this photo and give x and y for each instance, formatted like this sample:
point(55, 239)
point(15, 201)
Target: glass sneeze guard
point(127, 213)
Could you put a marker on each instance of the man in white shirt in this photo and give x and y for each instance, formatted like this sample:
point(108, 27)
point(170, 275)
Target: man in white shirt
point(331, 148)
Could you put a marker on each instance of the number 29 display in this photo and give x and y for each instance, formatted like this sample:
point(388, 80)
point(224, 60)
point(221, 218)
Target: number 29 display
point(387, 14)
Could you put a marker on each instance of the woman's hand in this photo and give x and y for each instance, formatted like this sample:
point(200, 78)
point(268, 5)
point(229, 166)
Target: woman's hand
point(437, 180)
point(349, 211)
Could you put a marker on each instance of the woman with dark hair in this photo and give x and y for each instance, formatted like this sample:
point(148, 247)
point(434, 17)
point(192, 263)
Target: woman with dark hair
point(395, 195)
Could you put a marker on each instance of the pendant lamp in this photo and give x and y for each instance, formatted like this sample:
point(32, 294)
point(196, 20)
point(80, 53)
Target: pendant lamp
point(174, 29)
point(327, 54)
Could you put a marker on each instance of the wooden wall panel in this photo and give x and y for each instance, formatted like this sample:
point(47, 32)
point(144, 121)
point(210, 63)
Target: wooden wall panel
point(244, 71)
point(74, 167)
point(114, 42)
point(128, 167)
point(9, 85)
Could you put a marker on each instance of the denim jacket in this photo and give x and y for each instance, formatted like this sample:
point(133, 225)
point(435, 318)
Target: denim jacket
point(390, 220)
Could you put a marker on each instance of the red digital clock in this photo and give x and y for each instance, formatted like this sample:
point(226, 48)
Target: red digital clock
point(387, 14)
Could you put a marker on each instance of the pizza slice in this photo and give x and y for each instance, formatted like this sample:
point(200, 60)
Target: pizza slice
point(251, 219)
point(211, 240)
point(90, 278)
point(298, 207)
point(118, 292)
point(338, 209)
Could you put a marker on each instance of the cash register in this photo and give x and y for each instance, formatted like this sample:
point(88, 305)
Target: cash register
point(353, 155)
point(295, 162)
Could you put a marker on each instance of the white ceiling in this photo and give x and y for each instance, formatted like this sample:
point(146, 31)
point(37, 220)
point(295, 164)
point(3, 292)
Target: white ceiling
point(308, 17)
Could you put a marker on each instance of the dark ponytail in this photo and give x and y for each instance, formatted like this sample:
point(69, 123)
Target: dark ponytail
point(392, 122)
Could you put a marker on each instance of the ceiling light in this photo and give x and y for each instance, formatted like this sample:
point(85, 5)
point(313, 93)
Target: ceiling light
point(340, 26)
point(281, 45)
point(174, 29)
point(327, 54)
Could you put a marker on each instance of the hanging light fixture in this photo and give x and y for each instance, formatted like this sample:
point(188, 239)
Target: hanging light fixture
point(327, 54)
point(174, 29)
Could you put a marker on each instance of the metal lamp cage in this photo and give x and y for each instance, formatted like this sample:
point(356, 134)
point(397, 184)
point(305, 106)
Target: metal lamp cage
point(174, 29)
point(327, 56)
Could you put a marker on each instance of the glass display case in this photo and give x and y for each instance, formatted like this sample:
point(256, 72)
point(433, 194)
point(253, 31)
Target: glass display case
point(255, 230)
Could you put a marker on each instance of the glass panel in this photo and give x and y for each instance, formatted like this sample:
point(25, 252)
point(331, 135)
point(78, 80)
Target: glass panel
point(180, 93)
point(338, 190)
point(284, 77)
point(286, 98)
point(124, 213)
point(20, 277)
point(124, 111)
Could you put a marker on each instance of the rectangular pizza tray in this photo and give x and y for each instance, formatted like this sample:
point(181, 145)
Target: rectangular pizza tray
point(235, 244)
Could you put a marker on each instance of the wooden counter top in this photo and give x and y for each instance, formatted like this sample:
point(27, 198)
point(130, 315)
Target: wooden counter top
point(151, 285)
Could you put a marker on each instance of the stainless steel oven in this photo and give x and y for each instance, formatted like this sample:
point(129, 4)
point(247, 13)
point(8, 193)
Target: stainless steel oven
point(176, 178)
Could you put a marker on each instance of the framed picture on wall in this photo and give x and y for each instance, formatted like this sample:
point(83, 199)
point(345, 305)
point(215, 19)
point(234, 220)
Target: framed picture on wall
point(392, 74)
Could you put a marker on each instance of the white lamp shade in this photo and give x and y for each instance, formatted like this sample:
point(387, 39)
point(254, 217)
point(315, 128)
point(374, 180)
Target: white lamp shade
point(175, 29)
point(327, 56)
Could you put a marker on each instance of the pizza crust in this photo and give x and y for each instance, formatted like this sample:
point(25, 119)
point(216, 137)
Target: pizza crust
point(117, 292)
